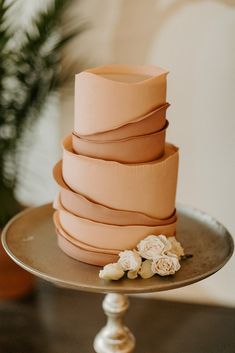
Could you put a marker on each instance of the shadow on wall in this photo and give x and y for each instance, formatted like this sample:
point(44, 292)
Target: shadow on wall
point(130, 29)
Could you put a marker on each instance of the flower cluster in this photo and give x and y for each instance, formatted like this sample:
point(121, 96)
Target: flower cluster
point(154, 255)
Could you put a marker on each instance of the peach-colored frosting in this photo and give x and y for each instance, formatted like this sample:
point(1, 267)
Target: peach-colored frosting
point(148, 124)
point(77, 241)
point(117, 177)
point(80, 254)
point(79, 205)
point(108, 236)
point(106, 97)
point(136, 149)
point(148, 188)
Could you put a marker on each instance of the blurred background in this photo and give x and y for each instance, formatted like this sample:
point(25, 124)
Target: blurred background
point(193, 39)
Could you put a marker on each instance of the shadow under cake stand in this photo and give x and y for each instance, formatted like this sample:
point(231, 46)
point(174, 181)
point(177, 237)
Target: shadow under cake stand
point(30, 240)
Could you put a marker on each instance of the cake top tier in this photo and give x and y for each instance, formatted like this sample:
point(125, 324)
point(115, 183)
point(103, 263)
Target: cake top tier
point(125, 78)
point(108, 97)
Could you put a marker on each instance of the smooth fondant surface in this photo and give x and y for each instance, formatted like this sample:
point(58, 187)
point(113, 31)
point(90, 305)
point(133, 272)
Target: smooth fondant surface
point(108, 236)
point(77, 242)
point(89, 257)
point(140, 149)
point(148, 124)
point(149, 188)
point(86, 208)
point(103, 104)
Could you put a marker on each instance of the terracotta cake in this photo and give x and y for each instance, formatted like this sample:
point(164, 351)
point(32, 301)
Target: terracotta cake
point(117, 176)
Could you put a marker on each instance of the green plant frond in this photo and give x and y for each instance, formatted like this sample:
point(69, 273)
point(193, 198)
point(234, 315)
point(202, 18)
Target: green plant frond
point(39, 76)
point(44, 25)
point(5, 31)
point(29, 73)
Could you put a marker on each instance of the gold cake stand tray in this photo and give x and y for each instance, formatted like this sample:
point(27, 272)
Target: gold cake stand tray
point(30, 240)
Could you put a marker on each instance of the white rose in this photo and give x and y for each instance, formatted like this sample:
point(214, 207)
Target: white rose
point(130, 260)
point(153, 246)
point(112, 272)
point(165, 265)
point(176, 247)
point(146, 269)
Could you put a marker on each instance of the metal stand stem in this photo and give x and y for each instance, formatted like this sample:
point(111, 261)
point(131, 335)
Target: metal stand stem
point(114, 337)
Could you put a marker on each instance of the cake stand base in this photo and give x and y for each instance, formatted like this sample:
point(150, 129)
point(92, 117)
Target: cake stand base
point(115, 337)
point(30, 240)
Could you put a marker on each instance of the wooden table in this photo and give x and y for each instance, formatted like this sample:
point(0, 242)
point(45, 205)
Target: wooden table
point(56, 320)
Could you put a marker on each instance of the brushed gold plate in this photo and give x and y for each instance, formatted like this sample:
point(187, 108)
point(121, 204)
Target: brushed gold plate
point(30, 240)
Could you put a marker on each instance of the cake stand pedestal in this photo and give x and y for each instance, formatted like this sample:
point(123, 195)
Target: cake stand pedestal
point(30, 240)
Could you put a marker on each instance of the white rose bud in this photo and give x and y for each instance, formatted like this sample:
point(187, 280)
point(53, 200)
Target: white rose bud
point(112, 272)
point(132, 274)
point(130, 260)
point(146, 269)
point(176, 247)
point(153, 246)
point(165, 265)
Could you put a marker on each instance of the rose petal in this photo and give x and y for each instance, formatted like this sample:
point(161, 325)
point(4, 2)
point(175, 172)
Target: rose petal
point(176, 247)
point(130, 260)
point(111, 272)
point(165, 265)
point(146, 269)
point(152, 246)
point(132, 274)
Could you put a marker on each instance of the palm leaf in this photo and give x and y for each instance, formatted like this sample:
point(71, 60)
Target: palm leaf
point(29, 73)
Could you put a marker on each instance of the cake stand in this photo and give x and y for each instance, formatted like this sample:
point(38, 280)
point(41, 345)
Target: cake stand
point(30, 240)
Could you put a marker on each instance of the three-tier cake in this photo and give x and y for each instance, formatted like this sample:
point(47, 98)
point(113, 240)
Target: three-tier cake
point(117, 177)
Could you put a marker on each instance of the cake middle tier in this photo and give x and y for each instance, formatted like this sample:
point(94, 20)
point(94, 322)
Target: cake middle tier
point(149, 188)
point(107, 236)
point(137, 149)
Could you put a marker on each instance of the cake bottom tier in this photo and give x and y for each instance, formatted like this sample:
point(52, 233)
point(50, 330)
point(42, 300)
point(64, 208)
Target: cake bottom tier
point(107, 236)
point(98, 244)
point(88, 257)
point(83, 252)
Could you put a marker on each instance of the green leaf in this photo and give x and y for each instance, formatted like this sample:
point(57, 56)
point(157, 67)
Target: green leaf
point(29, 73)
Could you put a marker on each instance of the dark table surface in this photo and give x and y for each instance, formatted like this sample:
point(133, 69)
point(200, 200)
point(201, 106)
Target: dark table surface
point(56, 320)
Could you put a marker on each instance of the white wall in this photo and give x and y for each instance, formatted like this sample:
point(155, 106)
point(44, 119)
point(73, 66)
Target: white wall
point(195, 41)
